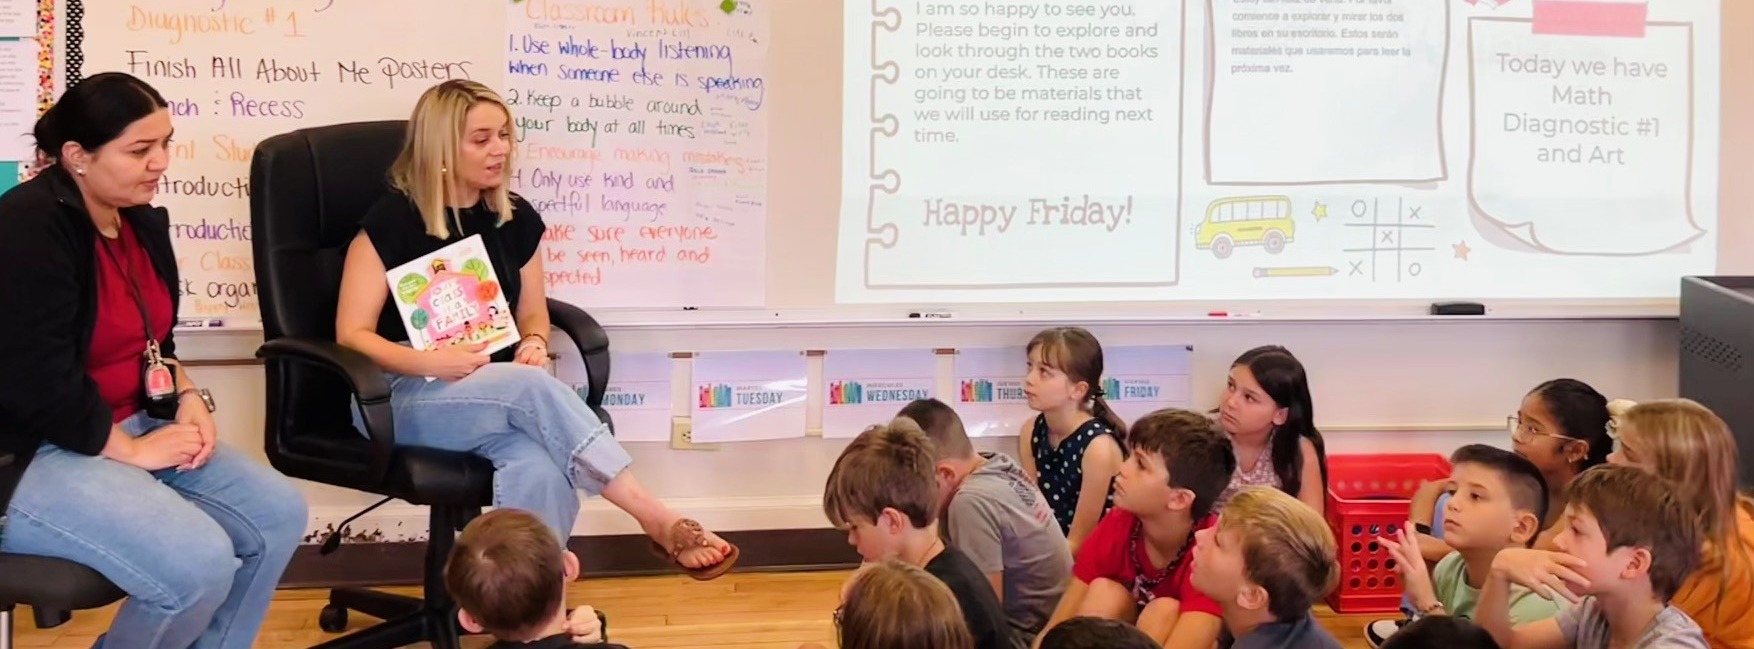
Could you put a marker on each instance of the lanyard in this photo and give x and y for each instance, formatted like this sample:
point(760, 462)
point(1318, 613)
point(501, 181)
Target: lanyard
point(133, 291)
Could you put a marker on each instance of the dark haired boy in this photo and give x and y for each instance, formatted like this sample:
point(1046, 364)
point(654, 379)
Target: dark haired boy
point(1499, 502)
point(993, 512)
point(1096, 633)
point(1136, 565)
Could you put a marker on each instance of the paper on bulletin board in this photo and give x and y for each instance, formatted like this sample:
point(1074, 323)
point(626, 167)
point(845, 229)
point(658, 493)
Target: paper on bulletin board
point(863, 387)
point(749, 396)
point(1140, 379)
point(639, 398)
point(18, 99)
point(989, 386)
point(18, 19)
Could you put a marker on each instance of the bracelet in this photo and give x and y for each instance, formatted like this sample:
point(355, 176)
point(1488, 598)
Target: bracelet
point(1435, 607)
point(540, 337)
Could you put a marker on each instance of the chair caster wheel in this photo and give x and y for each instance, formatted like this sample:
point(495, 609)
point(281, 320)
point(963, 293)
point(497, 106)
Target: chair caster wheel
point(333, 619)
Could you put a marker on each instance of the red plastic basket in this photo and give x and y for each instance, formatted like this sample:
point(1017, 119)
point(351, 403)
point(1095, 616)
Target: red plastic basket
point(1368, 498)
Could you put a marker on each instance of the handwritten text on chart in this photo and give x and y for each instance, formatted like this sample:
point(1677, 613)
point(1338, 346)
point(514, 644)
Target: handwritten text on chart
point(387, 70)
point(613, 245)
point(218, 20)
point(640, 127)
point(612, 61)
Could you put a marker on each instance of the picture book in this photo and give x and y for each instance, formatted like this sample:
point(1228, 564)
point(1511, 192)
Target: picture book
point(453, 297)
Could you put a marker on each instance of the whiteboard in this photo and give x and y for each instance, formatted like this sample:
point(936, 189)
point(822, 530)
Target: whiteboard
point(804, 110)
point(642, 125)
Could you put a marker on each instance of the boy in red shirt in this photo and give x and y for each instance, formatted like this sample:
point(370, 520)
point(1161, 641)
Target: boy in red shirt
point(1136, 566)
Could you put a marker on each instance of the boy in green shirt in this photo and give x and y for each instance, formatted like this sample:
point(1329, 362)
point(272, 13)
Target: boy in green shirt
point(1499, 502)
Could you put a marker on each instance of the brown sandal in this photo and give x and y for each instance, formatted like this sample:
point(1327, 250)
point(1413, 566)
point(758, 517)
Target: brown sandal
point(687, 534)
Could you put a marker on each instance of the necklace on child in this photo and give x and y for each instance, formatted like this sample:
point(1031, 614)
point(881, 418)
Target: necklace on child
point(1143, 581)
point(937, 544)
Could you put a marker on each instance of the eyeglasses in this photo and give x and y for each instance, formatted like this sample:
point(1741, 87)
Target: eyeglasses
point(1524, 432)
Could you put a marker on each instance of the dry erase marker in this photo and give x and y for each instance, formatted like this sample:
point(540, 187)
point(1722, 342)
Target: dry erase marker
point(1233, 314)
point(930, 315)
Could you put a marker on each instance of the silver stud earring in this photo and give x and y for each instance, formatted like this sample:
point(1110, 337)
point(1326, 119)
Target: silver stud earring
point(80, 171)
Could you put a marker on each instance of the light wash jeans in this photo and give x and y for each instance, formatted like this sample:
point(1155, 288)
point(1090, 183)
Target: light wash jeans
point(199, 553)
point(545, 444)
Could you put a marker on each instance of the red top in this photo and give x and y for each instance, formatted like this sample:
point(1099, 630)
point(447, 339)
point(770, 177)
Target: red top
point(1103, 555)
point(118, 343)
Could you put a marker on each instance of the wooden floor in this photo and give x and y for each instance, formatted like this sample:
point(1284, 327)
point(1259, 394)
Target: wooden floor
point(738, 611)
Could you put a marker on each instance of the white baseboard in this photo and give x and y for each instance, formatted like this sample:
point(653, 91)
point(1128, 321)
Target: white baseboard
point(402, 522)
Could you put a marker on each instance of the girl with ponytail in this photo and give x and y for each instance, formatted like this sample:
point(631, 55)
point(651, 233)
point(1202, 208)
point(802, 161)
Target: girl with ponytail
point(1074, 448)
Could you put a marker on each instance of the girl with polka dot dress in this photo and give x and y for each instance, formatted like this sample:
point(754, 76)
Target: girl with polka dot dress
point(1074, 448)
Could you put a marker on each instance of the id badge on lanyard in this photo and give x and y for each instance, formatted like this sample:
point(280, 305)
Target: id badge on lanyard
point(156, 378)
point(160, 383)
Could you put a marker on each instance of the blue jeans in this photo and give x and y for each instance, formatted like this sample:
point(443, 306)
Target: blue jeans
point(199, 553)
point(544, 442)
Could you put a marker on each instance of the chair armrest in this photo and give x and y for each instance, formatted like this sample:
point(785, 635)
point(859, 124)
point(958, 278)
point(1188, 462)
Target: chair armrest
point(363, 377)
point(579, 326)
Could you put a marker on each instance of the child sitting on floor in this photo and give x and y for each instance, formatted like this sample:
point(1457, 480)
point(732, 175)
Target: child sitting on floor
point(1134, 567)
point(1627, 545)
point(993, 513)
point(1266, 562)
point(508, 574)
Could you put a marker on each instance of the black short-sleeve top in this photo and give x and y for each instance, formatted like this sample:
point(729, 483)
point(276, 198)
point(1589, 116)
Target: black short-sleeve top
point(399, 236)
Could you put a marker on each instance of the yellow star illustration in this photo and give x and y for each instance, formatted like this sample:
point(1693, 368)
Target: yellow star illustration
point(1320, 211)
point(1461, 250)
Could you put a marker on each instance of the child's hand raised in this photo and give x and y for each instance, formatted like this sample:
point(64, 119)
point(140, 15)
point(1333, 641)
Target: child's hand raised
point(1410, 565)
point(1552, 574)
point(584, 625)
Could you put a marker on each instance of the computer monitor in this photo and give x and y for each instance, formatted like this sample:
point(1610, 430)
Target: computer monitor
point(1717, 355)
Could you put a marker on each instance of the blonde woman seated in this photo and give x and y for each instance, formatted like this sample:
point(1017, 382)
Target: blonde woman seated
point(451, 182)
point(1691, 447)
point(890, 603)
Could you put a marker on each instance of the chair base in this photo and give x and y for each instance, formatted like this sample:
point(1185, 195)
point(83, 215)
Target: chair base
point(407, 620)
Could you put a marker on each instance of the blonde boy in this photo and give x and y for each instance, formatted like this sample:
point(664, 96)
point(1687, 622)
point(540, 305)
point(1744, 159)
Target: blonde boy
point(1266, 562)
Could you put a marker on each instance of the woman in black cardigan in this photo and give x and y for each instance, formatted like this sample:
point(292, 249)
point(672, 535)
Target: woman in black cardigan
point(115, 461)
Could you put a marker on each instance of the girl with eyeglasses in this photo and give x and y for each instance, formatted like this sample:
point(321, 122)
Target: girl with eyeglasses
point(1562, 427)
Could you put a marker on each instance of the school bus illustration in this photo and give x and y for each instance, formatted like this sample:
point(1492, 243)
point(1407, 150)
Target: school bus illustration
point(1246, 221)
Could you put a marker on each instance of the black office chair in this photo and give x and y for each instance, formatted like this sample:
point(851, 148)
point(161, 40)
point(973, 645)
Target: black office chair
point(52, 588)
point(309, 189)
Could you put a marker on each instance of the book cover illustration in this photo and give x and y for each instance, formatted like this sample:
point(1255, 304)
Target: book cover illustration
point(453, 297)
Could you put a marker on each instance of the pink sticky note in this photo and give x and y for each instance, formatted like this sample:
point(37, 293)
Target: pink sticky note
point(1589, 18)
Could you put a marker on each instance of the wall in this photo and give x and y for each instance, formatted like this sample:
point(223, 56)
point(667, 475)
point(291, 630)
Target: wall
point(1418, 386)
